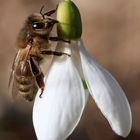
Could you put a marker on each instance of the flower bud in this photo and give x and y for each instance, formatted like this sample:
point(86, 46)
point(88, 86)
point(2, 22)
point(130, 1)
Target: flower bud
point(68, 16)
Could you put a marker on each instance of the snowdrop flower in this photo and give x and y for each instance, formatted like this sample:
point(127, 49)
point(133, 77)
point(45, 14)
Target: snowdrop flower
point(58, 112)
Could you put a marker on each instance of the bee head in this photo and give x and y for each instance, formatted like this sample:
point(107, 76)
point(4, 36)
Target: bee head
point(41, 25)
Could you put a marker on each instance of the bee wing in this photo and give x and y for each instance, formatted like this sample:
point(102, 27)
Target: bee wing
point(12, 83)
point(22, 55)
point(13, 88)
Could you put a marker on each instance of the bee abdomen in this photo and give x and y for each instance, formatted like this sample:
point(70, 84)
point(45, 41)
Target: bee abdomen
point(24, 80)
point(26, 87)
point(29, 94)
point(24, 84)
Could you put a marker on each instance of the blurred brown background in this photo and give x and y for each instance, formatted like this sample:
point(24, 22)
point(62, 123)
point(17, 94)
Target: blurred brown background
point(111, 33)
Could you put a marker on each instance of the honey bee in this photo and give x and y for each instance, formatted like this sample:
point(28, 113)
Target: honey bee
point(33, 44)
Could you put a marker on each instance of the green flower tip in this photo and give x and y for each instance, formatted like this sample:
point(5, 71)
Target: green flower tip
point(84, 84)
point(70, 25)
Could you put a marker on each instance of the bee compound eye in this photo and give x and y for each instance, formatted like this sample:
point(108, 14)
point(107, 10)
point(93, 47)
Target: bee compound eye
point(38, 25)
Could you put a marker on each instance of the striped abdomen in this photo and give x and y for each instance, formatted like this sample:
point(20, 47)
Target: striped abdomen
point(25, 80)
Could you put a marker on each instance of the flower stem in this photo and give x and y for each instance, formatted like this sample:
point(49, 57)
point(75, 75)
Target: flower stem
point(84, 84)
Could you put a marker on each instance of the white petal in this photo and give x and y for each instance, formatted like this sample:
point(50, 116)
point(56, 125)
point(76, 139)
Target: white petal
point(107, 94)
point(57, 113)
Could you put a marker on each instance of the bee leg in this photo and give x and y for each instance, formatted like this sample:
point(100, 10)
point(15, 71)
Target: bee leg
point(58, 39)
point(50, 52)
point(38, 75)
point(42, 89)
point(40, 82)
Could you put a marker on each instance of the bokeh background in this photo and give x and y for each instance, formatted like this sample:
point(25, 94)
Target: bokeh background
point(111, 33)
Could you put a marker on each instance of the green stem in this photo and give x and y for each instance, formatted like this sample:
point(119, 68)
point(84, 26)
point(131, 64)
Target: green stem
point(84, 84)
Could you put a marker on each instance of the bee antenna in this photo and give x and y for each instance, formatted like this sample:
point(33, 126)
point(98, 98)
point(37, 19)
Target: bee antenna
point(49, 13)
point(41, 11)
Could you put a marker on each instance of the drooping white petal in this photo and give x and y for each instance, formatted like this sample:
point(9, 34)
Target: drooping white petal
point(107, 94)
point(57, 113)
